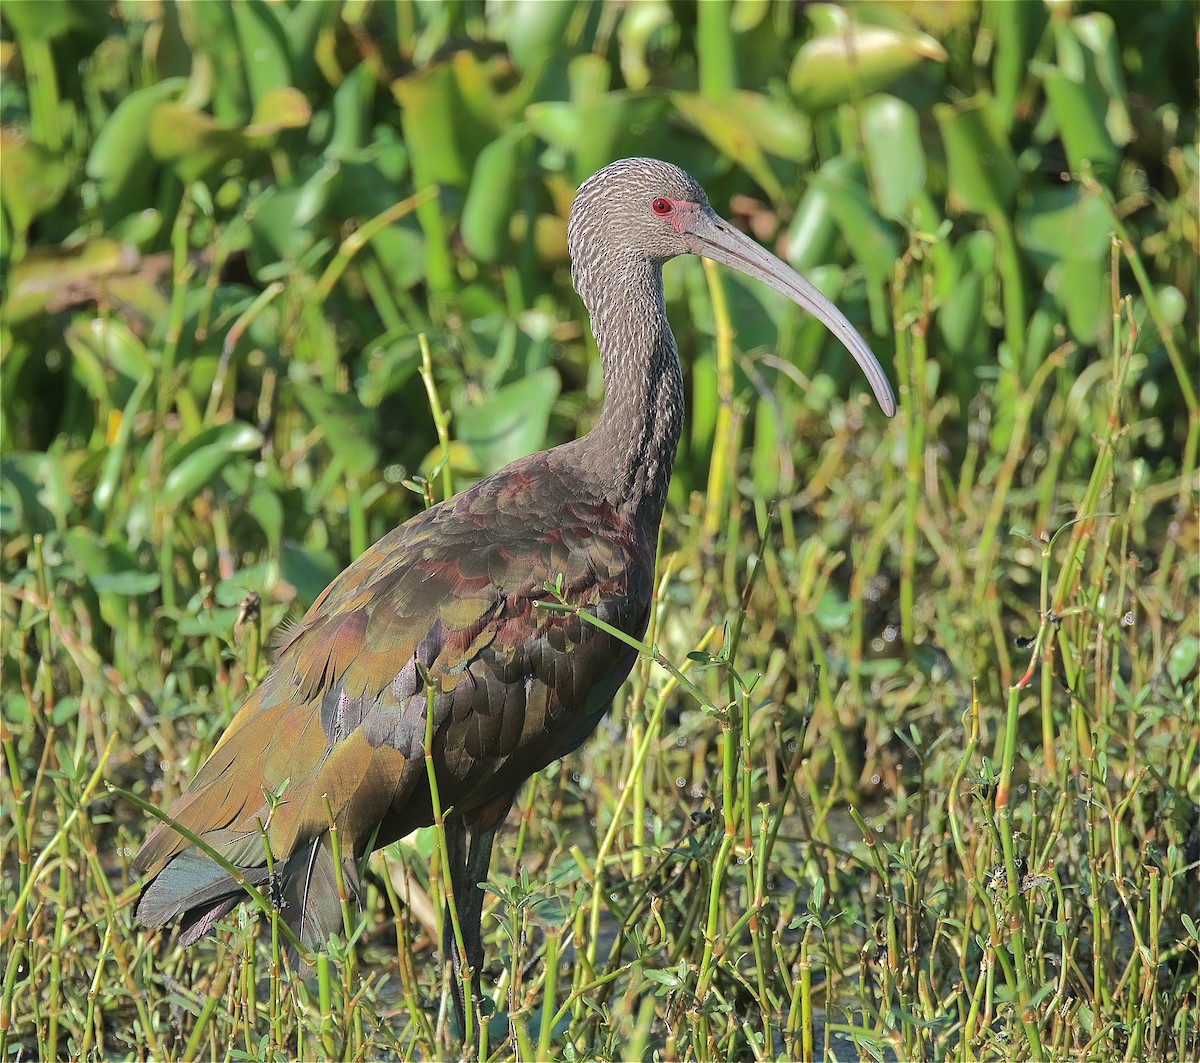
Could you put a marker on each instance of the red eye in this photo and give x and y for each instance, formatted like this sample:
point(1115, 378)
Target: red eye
point(661, 206)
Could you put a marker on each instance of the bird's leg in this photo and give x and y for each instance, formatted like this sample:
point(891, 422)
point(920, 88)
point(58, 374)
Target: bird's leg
point(469, 866)
point(456, 855)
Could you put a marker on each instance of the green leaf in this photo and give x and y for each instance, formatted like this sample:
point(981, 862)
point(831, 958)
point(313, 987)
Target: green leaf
point(1062, 222)
point(198, 464)
point(1079, 113)
point(35, 493)
point(108, 566)
point(120, 161)
point(846, 60)
point(443, 134)
point(492, 196)
point(961, 319)
point(510, 424)
point(728, 123)
point(833, 611)
point(192, 142)
point(983, 173)
point(309, 571)
point(282, 108)
point(350, 428)
point(639, 24)
point(104, 345)
point(532, 32)
point(264, 48)
point(1183, 659)
point(32, 179)
point(872, 240)
point(812, 233)
point(892, 137)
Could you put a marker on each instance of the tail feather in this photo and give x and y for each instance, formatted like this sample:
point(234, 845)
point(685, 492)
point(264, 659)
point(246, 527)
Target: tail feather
point(194, 890)
point(312, 905)
point(197, 892)
point(267, 795)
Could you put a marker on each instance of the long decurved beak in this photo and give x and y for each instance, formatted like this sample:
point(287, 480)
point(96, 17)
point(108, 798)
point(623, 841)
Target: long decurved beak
point(706, 233)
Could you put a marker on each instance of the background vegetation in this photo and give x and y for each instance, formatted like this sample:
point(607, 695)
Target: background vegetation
point(277, 274)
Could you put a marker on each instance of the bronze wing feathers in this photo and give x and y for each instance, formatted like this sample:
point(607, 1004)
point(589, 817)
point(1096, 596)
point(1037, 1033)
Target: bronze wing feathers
point(340, 717)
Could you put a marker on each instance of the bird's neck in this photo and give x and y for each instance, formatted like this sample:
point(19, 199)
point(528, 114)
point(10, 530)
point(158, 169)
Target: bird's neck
point(630, 452)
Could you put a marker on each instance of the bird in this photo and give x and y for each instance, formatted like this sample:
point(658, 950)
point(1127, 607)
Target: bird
point(445, 615)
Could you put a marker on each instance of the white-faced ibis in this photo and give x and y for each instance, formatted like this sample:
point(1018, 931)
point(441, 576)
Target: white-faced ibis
point(448, 598)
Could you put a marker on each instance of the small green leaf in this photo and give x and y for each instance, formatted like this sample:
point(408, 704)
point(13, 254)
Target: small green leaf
point(1183, 659)
point(120, 161)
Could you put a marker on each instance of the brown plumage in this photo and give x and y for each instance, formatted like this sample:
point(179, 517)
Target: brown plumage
point(340, 717)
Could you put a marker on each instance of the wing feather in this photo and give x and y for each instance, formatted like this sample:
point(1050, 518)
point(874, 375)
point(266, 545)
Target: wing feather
point(449, 597)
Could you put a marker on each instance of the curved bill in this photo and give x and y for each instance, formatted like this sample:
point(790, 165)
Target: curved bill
point(707, 234)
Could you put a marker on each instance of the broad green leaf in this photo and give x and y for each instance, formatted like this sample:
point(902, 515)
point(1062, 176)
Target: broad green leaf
point(812, 233)
point(872, 240)
point(282, 108)
point(32, 179)
point(1079, 113)
point(352, 112)
point(983, 173)
point(442, 134)
point(1183, 658)
point(192, 142)
point(197, 464)
point(44, 20)
point(266, 509)
point(611, 126)
point(390, 361)
point(848, 60)
point(350, 429)
point(719, 120)
point(833, 611)
point(264, 48)
point(1098, 62)
point(35, 492)
point(113, 341)
point(892, 137)
point(492, 196)
point(961, 318)
point(1081, 289)
point(120, 161)
point(109, 567)
point(1017, 29)
point(310, 571)
point(232, 591)
point(640, 23)
point(1058, 222)
point(511, 423)
point(532, 30)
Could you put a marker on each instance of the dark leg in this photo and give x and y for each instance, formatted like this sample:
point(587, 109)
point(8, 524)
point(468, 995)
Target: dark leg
point(468, 866)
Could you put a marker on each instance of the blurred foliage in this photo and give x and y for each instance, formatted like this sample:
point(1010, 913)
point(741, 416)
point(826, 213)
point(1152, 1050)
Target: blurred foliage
point(224, 228)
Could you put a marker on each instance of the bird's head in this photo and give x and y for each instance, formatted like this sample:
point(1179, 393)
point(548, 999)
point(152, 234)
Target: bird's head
point(650, 211)
point(635, 206)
